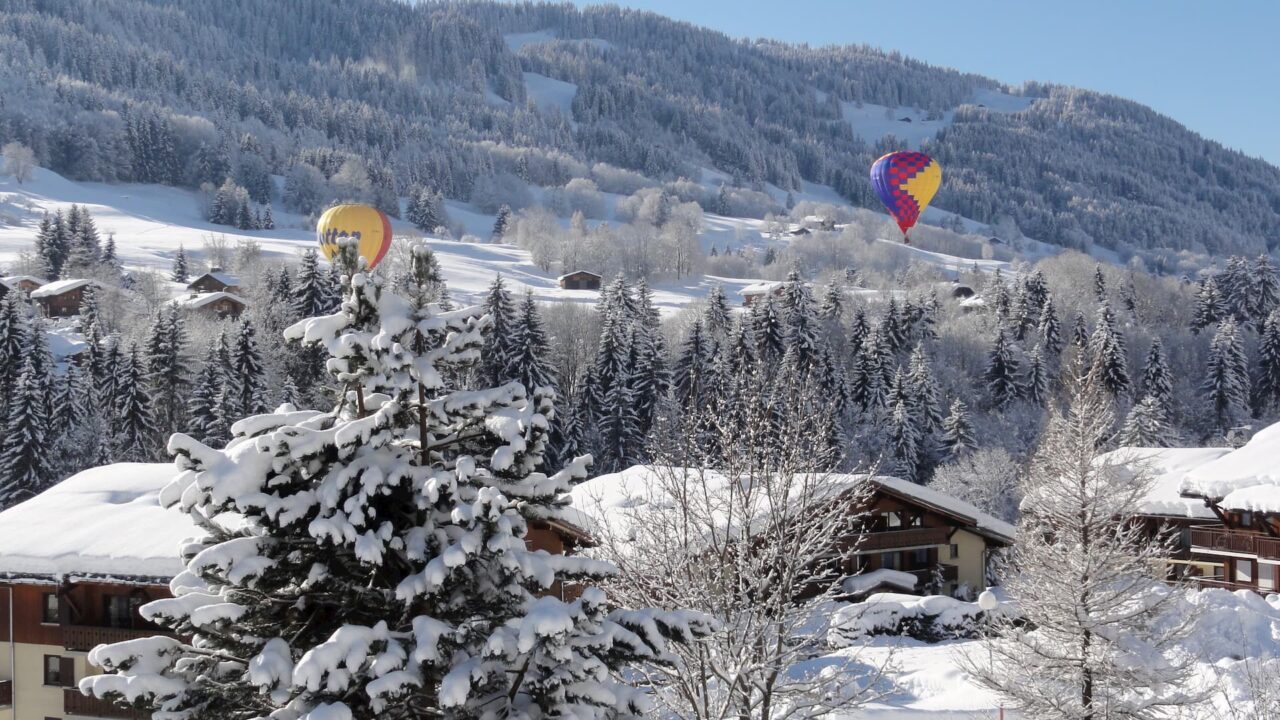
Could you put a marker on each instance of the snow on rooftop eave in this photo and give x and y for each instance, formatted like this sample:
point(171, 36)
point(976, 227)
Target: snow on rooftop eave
point(199, 301)
point(58, 287)
point(1254, 465)
point(986, 525)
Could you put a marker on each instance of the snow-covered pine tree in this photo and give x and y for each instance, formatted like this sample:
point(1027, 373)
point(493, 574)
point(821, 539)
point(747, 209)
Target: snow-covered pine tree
point(922, 389)
point(309, 291)
point(1095, 627)
point(903, 437)
point(871, 373)
point(769, 331)
point(14, 332)
point(401, 583)
point(136, 437)
point(831, 308)
point(1050, 329)
point(501, 224)
point(1226, 382)
point(691, 368)
point(249, 373)
point(181, 273)
point(530, 364)
point(893, 326)
point(202, 407)
point(109, 261)
point(167, 378)
point(1099, 284)
point(1146, 425)
point(1037, 384)
point(957, 431)
point(1080, 331)
point(1107, 348)
point(1267, 389)
point(499, 347)
point(53, 245)
point(1236, 284)
point(1156, 380)
point(1001, 375)
point(24, 450)
point(716, 317)
point(1211, 308)
point(1264, 290)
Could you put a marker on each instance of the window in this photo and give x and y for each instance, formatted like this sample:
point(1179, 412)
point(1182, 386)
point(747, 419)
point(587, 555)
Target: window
point(49, 609)
point(1266, 576)
point(59, 671)
point(955, 551)
point(118, 611)
point(920, 558)
point(893, 520)
point(1246, 519)
point(1244, 571)
point(890, 560)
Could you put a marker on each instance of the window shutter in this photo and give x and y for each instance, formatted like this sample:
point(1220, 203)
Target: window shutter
point(67, 671)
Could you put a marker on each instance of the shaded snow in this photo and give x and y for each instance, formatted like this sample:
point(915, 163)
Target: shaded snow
point(549, 93)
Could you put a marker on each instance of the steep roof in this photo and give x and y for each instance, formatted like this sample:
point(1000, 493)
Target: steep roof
point(578, 272)
point(58, 287)
point(12, 280)
point(1247, 478)
point(102, 523)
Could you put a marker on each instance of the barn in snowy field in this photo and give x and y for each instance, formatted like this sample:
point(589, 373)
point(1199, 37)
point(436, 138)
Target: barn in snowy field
point(62, 298)
point(215, 281)
point(579, 280)
point(913, 539)
point(216, 305)
point(80, 559)
point(1222, 503)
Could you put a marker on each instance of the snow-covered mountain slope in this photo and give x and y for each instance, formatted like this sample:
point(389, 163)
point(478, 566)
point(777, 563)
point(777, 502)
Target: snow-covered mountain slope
point(150, 223)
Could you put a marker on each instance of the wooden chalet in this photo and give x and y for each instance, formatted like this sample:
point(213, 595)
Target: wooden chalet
point(25, 283)
point(924, 541)
point(76, 564)
point(62, 298)
point(215, 281)
point(1222, 504)
point(216, 305)
point(579, 280)
point(755, 291)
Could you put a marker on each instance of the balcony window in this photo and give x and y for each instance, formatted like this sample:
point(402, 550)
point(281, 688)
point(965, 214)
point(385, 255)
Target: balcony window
point(891, 560)
point(1266, 576)
point(118, 611)
point(1244, 571)
point(49, 609)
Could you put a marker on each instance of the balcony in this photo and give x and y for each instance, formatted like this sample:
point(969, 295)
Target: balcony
point(1235, 542)
point(900, 539)
point(84, 638)
point(73, 703)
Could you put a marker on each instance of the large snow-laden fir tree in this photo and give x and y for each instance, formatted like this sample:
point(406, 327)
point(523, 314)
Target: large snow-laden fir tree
point(377, 566)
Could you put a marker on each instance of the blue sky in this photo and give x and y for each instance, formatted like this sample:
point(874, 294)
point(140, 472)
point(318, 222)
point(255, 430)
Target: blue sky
point(1213, 66)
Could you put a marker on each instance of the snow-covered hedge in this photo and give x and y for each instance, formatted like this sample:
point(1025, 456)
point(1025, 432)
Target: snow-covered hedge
point(931, 618)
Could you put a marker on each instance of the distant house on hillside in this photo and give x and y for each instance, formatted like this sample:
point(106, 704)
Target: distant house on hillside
point(215, 281)
point(579, 280)
point(62, 298)
point(25, 283)
point(956, 290)
point(218, 305)
point(1224, 505)
point(753, 292)
point(818, 222)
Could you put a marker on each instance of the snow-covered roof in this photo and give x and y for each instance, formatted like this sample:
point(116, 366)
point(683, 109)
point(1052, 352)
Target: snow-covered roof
point(607, 504)
point(57, 287)
point(578, 272)
point(883, 577)
point(1247, 478)
point(760, 288)
point(13, 280)
point(105, 522)
point(192, 302)
point(973, 301)
point(1167, 468)
point(225, 278)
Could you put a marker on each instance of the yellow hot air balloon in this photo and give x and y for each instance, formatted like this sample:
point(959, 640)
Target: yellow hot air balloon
point(367, 225)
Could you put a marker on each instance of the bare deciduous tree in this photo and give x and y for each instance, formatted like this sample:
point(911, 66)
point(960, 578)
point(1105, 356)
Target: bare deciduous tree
point(741, 521)
point(19, 161)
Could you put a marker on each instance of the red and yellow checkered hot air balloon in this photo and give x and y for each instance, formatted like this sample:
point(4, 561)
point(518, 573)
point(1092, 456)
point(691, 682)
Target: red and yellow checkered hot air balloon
point(906, 181)
point(367, 225)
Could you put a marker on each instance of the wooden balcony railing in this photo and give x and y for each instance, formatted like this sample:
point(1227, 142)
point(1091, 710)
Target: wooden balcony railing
point(1236, 542)
point(73, 703)
point(86, 637)
point(896, 539)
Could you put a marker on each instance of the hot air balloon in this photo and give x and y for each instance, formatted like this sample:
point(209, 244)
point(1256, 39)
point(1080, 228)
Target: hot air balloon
point(369, 226)
point(906, 181)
